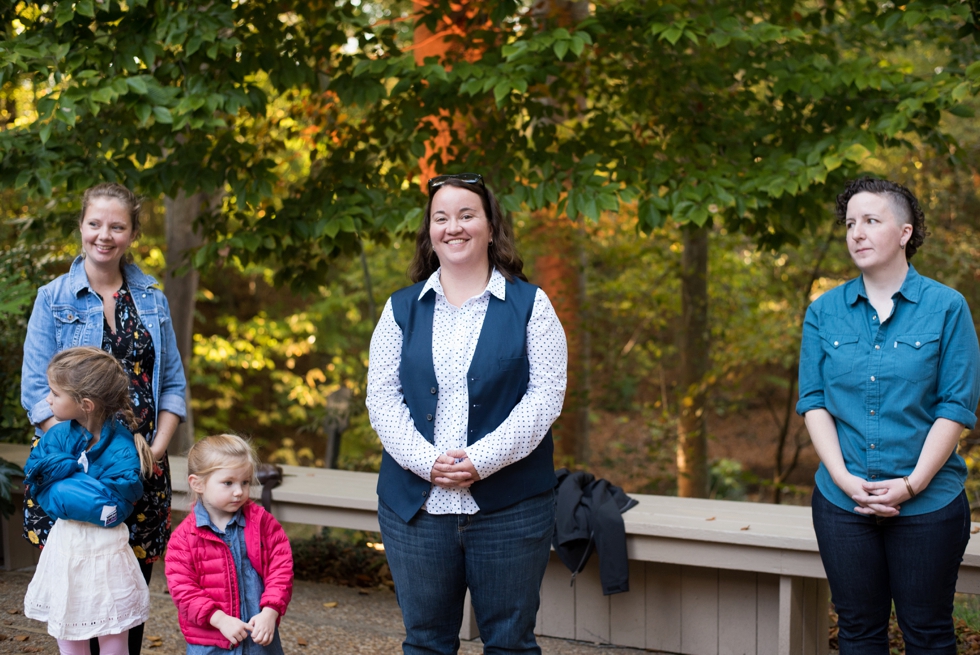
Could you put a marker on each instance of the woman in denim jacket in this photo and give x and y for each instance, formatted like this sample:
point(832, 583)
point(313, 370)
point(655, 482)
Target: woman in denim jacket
point(105, 302)
point(889, 379)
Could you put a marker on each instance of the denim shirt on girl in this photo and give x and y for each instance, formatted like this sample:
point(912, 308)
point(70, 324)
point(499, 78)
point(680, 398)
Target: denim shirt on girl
point(67, 313)
point(250, 585)
point(886, 381)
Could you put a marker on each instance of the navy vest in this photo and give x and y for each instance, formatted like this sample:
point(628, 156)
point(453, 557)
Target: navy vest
point(497, 380)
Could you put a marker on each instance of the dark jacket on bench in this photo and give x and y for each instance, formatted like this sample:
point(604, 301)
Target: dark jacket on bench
point(589, 517)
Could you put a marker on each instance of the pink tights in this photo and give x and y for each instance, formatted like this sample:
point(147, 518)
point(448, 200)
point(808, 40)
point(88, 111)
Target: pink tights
point(108, 645)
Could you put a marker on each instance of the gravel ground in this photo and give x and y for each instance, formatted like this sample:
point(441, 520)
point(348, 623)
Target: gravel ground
point(360, 623)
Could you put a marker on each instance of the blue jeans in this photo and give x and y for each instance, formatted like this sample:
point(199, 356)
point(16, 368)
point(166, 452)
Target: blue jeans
point(501, 556)
point(914, 560)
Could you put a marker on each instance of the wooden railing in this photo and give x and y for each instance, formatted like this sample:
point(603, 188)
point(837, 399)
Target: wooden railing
point(707, 577)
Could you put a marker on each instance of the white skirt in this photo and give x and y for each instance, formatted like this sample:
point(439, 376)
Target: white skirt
point(87, 583)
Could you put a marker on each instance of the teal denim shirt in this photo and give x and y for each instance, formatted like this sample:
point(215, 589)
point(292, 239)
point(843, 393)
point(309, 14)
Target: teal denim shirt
point(67, 313)
point(886, 382)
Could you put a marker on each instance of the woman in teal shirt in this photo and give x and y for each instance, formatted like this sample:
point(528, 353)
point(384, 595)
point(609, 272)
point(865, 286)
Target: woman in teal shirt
point(889, 379)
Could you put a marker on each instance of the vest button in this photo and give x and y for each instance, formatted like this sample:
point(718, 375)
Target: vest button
point(428, 417)
point(432, 390)
point(425, 493)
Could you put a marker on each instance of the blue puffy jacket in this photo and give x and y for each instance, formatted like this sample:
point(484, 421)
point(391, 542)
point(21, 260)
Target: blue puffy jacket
point(106, 494)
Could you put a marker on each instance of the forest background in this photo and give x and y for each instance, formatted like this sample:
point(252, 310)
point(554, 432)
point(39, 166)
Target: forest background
point(669, 170)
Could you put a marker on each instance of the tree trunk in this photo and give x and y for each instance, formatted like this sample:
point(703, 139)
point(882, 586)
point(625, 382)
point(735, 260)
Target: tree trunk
point(181, 289)
point(561, 273)
point(692, 442)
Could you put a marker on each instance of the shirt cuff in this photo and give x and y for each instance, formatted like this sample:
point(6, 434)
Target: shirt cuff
point(41, 412)
point(957, 413)
point(175, 404)
point(418, 465)
point(483, 464)
point(812, 402)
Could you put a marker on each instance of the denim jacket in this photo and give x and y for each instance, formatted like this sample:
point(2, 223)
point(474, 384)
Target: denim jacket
point(67, 313)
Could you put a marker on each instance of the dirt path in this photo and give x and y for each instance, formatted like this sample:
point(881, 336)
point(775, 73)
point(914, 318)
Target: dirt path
point(360, 624)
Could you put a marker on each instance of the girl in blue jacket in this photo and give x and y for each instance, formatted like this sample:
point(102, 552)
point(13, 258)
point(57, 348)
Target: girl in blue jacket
point(85, 473)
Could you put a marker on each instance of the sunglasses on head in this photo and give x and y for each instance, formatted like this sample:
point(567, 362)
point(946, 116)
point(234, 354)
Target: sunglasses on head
point(466, 178)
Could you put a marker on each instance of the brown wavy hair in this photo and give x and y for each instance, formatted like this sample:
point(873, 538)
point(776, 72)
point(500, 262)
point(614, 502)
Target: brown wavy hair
point(88, 372)
point(904, 204)
point(502, 252)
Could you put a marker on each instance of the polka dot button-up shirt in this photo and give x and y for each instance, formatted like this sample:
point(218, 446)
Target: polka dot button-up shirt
point(455, 333)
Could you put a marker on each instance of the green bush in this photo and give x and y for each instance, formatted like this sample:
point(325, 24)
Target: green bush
point(344, 557)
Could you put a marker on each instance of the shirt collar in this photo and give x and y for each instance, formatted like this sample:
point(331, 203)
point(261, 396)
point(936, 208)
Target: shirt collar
point(132, 276)
point(497, 286)
point(203, 519)
point(911, 288)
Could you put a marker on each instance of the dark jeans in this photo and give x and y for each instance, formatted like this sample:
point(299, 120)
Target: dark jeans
point(914, 560)
point(135, 634)
point(500, 556)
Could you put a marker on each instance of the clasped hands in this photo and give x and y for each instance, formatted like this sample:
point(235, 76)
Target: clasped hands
point(262, 626)
point(453, 470)
point(878, 498)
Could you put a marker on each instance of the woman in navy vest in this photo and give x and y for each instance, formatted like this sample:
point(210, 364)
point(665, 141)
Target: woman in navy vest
point(467, 374)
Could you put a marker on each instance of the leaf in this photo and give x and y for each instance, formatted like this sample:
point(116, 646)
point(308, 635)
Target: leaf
point(832, 161)
point(501, 90)
point(85, 8)
point(577, 45)
point(163, 115)
point(64, 14)
point(856, 153)
point(960, 92)
point(23, 178)
point(8, 473)
point(650, 216)
point(103, 95)
point(672, 34)
point(193, 44)
point(561, 47)
point(964, 111)
point(137, 85)
point(45, 132)
point(143, 112)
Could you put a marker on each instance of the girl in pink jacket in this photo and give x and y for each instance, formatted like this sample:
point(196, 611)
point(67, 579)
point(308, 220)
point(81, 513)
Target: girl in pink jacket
point(229, 564)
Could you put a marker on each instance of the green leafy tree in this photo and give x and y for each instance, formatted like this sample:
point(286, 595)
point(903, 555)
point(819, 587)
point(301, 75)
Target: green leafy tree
point(747, 116)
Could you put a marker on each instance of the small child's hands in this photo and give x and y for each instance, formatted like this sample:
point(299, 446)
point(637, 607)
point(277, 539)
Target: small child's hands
point(263, 626)
point(234, 630)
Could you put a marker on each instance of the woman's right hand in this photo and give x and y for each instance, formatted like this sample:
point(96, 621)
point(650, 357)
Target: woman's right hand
point(855, 488)
point(449, 474)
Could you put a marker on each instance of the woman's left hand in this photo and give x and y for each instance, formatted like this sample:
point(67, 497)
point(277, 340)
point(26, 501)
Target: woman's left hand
point(882, 498)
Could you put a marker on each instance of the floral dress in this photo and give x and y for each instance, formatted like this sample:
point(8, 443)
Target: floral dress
point(149, 524)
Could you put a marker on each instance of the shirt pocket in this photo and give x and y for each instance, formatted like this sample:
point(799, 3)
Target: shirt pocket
point(916, 356)
point(840, 354)
point(68, 327)
point(507, 363)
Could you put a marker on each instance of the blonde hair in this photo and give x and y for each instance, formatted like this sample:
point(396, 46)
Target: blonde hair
point(219, 451)
point(88, 372)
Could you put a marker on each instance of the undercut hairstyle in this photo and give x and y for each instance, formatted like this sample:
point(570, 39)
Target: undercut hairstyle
point(502, 251)
point(88, 372)
point(219, 451)
point(119, 193)
point(903, 202)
